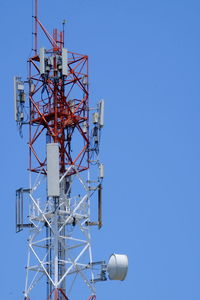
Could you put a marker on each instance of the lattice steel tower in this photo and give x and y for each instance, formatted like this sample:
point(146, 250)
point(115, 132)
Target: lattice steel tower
point(64, 171)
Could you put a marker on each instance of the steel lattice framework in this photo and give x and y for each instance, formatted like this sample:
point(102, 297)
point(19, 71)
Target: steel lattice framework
point(58, 112)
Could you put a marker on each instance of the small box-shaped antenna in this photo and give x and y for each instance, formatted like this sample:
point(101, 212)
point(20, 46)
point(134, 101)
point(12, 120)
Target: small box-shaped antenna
point(53, 188)
point(19, 98)
point(84, 127)
point(101, 171)
point(95, 118)
point(64, 62)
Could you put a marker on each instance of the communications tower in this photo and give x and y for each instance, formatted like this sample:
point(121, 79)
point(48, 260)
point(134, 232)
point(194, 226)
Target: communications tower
point(65, 172)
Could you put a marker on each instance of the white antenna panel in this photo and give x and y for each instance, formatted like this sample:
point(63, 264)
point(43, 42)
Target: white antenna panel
point(101, 113)
point(15, 97)
point(117, 267)
point(64, 62)
point(42, 61)
point(53, 188)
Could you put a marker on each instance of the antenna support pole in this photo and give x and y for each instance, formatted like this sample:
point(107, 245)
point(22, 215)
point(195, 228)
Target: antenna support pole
point(36, 28)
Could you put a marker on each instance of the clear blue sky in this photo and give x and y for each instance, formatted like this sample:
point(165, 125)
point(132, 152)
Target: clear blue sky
point(145, 62)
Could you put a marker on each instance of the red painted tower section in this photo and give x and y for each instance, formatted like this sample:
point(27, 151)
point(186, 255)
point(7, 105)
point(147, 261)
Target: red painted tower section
point(59, 105)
